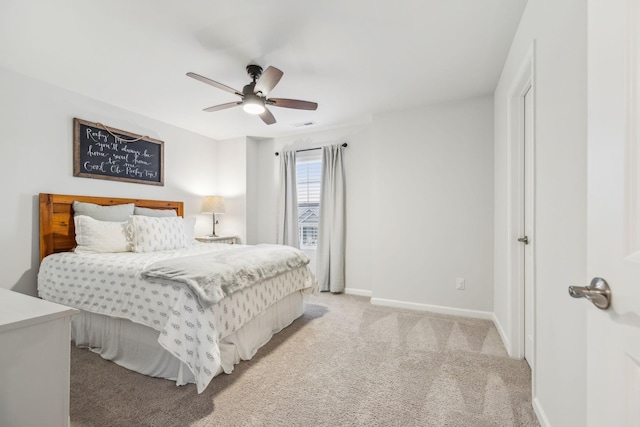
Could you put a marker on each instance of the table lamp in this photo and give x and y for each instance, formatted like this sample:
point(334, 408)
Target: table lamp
point(213, 205)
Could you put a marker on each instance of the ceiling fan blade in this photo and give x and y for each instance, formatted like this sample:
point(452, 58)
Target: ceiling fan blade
point(292, 103)
point(222, 106)
point(267, 117)
point(269, 79)
point(214, 83)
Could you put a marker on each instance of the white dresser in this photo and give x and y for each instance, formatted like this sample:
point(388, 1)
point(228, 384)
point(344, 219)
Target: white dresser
point(34, 361)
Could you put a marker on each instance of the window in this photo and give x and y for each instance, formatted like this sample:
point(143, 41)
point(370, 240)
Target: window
point(308, 176)
point(309, 236)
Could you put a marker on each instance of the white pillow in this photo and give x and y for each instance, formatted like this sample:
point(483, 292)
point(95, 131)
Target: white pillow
point(93, 236)
point(151, 234)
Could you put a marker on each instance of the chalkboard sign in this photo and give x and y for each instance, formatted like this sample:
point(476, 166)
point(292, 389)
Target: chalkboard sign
point(106, 153)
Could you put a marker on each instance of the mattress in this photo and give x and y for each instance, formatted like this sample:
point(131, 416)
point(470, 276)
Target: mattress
point(111, 284)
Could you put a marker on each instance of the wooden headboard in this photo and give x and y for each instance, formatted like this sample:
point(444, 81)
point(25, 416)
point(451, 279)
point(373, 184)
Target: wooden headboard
point(57, 231)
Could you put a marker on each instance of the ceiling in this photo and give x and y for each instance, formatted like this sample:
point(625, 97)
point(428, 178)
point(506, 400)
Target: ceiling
point(355, 58)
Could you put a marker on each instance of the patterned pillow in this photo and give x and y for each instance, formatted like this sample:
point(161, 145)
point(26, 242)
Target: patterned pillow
point(151, 234)
point(93, 236)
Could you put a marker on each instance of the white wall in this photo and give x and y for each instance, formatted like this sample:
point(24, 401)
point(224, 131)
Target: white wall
point(559, 30)
point(36, 148)
point(358, 182)
point(232, 185)
point(432, 207)
point(253, 191)
point(238, 183)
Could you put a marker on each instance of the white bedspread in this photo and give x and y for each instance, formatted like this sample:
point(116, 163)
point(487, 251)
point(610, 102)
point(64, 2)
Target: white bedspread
point(214, 275)
point(111, 284)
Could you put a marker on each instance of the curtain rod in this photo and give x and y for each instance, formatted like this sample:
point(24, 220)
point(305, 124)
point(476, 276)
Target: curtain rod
point(344, 144)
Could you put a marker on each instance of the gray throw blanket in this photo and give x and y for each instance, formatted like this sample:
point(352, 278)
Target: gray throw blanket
point(214, 275)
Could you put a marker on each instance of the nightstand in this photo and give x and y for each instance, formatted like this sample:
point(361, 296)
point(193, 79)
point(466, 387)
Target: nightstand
point(231, 240)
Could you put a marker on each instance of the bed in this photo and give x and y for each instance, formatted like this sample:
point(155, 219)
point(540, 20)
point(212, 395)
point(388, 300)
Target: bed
point(163, 313)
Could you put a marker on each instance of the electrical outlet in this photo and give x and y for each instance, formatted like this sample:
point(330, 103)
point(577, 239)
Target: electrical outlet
point(460, 283)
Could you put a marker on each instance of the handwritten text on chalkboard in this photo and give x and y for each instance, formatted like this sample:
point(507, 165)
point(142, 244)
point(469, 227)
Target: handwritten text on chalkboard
point(106, 153)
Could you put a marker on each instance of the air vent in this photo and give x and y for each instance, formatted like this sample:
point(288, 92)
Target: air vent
point(303, 124)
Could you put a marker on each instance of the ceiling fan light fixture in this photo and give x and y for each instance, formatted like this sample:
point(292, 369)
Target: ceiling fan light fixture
point(254, 95)
point(253, 104)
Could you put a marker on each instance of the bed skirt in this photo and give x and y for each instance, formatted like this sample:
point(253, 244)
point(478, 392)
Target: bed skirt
point(135, 346)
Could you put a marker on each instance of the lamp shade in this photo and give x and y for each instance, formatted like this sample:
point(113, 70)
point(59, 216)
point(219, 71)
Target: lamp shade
point(213, 204)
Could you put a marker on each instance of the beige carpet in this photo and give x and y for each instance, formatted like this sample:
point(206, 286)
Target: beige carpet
point(344, 363)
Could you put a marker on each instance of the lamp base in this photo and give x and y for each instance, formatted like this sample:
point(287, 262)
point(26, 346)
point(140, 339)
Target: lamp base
point(213, 227)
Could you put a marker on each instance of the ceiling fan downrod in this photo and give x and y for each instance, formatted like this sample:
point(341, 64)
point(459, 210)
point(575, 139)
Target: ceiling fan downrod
point(254, 71)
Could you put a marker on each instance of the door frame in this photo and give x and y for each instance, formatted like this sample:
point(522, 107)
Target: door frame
point(523, 82)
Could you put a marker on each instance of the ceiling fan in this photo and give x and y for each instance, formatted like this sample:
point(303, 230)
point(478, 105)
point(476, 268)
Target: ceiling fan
point(254, 95)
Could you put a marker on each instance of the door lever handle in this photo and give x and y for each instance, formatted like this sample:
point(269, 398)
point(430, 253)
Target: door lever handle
point(524, 240)
point(598, 292)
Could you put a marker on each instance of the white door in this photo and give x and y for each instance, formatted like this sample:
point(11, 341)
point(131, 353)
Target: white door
point(613, 207)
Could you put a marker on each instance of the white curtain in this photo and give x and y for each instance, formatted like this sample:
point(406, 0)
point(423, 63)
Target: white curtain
point(331, 229)
point(288, 201)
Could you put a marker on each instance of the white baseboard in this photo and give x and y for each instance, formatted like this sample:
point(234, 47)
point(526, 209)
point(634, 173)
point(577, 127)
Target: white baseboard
point(542, 418)
point(361, 292)
point(434, 308)
point(503, 336)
